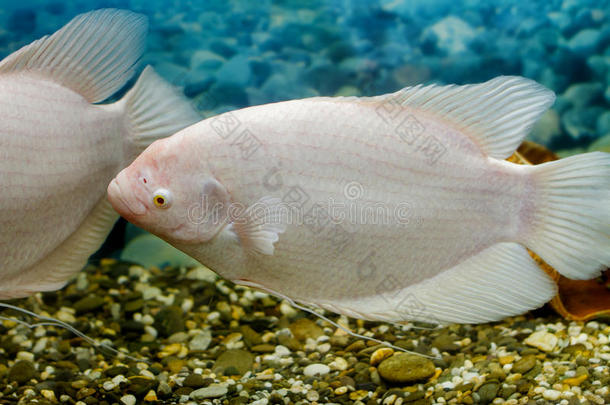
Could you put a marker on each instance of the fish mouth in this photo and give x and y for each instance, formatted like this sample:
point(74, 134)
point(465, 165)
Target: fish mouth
point(116, 197)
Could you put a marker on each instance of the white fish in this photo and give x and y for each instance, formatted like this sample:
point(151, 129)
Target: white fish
point(396, 207)
point(59, 150)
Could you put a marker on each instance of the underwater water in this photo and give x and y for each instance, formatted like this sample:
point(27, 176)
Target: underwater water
point(200, 339)
point(233, 54)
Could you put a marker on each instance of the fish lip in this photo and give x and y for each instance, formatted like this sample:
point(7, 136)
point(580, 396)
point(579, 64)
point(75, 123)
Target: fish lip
point(115, 196)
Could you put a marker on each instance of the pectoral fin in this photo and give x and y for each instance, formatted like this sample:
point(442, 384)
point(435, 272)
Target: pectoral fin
point(258, 228)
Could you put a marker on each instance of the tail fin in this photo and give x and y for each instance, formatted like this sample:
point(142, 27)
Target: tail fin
point(570, 225)
point(156, 110)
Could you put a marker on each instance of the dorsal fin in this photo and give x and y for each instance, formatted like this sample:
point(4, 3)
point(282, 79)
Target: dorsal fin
point(497, 114)
point(95, 54)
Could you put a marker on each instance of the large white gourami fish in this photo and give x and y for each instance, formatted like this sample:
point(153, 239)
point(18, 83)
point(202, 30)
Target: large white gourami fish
point(396, 207)
point(59, 150)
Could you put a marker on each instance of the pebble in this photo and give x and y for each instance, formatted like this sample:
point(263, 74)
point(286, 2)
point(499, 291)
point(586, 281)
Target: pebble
point(305, 328)
point(88, 304)
point(339, 363)
point(128, 399)
point(234, 361)
point(380, 354)
point(487, 392)
point(49, 395)
point(151, 396)
point(21, 372)
point(213, 391)
point(551, 395)
point(542, 340)
point(525, 364)
point(405, 368)
point(316, 369)
point(200, 341)
point(195, 381)
point(312, 396)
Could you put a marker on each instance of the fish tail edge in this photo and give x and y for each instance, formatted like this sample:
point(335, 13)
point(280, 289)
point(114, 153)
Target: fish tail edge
point(569, 225)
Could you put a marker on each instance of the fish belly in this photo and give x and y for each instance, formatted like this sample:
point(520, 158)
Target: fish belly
point(57, 155)
point(375, 199)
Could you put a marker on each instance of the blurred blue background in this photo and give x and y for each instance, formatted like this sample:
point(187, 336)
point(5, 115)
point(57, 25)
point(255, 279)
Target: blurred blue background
point(237, 53)
point(231, 54)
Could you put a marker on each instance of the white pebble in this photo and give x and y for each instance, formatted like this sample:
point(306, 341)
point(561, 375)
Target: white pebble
point(187, 304)
point(41, 331)
point(119, 379)
point(339, 364)
point(115, 310)
point(151, 331)
point(148, 319)
point(65, 316)
point(324, 347)
point(574, 330)
point(282, 351)
point(551, 395)
point(201, 273)
point(287, 310)
point(27, 356)
point(212, 316)
point(108, 385)
point(469, 376)
point(316, 369)
point(312, 395)
point(164, 299)
point(592, 325)
point(543, 340)
point(128, 399)
point(447, 385)
point(40, 345)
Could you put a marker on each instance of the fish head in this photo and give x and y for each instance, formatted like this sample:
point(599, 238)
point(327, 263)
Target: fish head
point(161, 193)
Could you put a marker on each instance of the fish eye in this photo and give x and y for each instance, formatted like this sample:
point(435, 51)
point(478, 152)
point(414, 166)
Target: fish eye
point(162, 198)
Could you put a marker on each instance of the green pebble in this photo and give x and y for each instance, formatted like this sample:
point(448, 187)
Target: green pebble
point(170, 320)
point(133, 306)
point(305, 328)
point(525, 364)
point(234, 360)
point(88, 304)
point(22, 372)
point(487, 392)
point(196, 381)
point(403, 368)
point(445, 343)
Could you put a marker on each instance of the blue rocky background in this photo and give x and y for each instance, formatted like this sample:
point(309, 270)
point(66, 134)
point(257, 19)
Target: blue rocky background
point(228, 54)
point(237, 53)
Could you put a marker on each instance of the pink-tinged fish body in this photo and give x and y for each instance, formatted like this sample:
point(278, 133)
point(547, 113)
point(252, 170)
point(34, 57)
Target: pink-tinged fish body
point(397, 207)
point(59, 151)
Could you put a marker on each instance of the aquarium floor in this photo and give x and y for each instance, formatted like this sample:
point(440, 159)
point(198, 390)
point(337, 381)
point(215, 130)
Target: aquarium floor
point(200, 339)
